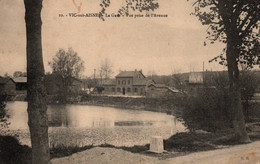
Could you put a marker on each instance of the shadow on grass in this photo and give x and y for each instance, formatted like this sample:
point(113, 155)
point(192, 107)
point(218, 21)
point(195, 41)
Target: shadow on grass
point(63, 151)
point(11, 152)
point(134, 149)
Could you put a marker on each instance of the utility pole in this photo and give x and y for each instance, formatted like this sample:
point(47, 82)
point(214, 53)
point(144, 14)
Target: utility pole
point(203, 73)
point(94, 74)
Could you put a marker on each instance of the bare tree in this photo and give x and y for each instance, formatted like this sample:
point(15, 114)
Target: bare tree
point(6, 75)
point(37, 108)
point(178, 82)
point(106, 69)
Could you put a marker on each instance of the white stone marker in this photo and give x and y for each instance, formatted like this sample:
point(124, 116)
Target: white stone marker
point(156, 144)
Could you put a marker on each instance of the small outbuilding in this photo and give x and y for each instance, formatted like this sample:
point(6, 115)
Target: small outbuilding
point(7, 86)
point(21, 83)
point(160, 90)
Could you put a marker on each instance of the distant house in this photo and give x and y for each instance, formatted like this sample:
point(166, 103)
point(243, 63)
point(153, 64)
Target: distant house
point(127, 83)
point(160, 90)
point(7, 86)
point(196, 78)
point(21, 83)
point(195, 82)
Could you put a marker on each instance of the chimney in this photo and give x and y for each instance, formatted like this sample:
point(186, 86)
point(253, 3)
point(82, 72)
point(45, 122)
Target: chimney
point(141, 71)
point(135, 70)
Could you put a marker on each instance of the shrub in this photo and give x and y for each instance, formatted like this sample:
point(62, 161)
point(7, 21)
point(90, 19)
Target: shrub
point(12, 152)
point(208, 110)
point(3, 112)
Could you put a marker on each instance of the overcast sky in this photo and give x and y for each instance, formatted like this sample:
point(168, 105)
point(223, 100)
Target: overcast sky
point(163, 45)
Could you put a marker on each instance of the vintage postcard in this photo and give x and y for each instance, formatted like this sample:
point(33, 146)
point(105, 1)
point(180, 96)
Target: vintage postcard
point(129, 81)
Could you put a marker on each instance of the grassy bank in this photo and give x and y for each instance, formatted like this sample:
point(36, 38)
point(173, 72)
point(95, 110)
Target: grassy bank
point(177, 145)
point(166, 105)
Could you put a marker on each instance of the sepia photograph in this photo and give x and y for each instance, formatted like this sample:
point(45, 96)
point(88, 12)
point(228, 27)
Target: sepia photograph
point(129, 81)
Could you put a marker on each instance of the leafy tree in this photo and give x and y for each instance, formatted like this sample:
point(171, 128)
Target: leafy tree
point(129, 6)
point(67, 65)
point(37, 108)
point(235, 23)
point(17, 74)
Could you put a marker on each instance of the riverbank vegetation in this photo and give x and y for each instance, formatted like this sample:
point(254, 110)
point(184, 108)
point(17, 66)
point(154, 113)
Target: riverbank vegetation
point(3, 112)
point(140, 103)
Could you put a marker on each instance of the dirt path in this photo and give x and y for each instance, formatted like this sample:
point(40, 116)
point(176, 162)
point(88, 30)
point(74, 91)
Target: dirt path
point(249, 153)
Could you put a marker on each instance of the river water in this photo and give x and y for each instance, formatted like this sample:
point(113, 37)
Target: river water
point(85, 125)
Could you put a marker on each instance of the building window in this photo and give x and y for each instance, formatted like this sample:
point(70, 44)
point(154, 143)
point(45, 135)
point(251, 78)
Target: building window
point(128, 89)
point(113, 89)
point(123, 82)
point(141, 90)
point(118, 89)
point(136, 90)
point(128, 82)
point(118, 82)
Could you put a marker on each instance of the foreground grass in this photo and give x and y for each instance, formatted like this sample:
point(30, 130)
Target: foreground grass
point(12, 152)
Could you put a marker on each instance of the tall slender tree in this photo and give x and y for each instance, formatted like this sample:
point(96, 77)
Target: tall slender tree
point(235, 23)
point(106, 68)
point(37, 116)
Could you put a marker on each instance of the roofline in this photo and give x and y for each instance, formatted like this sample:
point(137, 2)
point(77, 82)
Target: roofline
point(124, 76)
point(9, 78)
point(142, 73)
point(158, 86)
point(132, 76)
point(12, 79)
point(153, 81)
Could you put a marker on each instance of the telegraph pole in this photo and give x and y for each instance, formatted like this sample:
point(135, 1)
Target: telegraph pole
point(94, 74)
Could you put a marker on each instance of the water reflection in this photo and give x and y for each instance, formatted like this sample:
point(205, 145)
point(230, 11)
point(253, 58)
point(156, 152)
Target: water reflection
point(83, 116)
point(58, 116)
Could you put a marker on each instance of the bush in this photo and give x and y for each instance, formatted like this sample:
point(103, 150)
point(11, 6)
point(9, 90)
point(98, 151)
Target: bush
point(3, 112)
point(12, 152)
point(208, 110)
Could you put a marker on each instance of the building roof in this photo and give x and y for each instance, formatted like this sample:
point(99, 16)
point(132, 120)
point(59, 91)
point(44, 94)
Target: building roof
point(4, 80)
point(129, 73)
point(172, 89)
point(20, 80)
point(110, 82)
point(139, 82)
point(158, 85)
